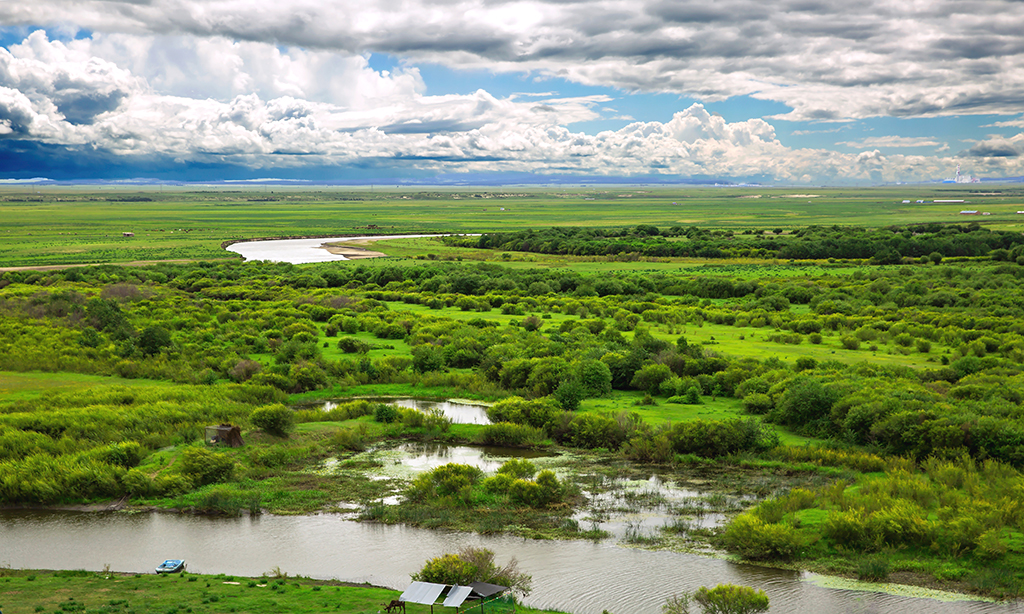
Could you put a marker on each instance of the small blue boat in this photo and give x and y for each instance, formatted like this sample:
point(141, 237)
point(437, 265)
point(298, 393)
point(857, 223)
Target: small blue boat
point(171, 566)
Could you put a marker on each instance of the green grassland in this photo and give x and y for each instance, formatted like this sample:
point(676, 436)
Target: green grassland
point(58, 225)
point(26, 386)
point(29, 591)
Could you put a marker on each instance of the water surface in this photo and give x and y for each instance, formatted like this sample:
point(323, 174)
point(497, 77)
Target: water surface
point(301, 251)
point(575, 576)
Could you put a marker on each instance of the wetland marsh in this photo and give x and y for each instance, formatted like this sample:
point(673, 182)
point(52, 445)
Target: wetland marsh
point(787, 411)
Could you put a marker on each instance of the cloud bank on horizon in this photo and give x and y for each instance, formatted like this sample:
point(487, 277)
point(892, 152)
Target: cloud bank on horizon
point(792, 91)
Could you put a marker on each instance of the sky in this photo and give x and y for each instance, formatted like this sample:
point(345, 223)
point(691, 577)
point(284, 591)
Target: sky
point(794, 92)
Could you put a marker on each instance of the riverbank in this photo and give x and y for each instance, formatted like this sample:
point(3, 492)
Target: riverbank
point(31, 591)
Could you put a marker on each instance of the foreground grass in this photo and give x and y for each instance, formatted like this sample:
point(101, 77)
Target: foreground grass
point(28, 591)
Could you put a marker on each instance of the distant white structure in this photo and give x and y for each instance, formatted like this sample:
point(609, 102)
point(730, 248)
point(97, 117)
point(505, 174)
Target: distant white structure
point(958, 178)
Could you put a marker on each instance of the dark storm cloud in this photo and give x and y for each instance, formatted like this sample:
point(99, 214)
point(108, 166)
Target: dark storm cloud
point(997, 148)
point(83, 107)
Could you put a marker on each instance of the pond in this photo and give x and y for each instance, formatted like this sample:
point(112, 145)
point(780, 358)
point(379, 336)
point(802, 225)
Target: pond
point(573, 576)
point(459, 412)
point(302, 251)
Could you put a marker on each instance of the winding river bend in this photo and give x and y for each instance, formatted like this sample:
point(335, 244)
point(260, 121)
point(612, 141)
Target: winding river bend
point(575, 576)
point(302, 251)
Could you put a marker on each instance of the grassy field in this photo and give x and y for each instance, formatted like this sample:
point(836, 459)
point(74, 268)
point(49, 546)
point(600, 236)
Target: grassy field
point(26, 386)
point(45, 225)
point(28, 592)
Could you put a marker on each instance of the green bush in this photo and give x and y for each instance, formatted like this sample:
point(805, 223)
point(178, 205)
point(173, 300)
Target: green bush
point(518, 468)
point(274, 419)
point(538, 413)
point(755, 539)
point(714, 438)
point(205, 467)
point(453, 481)
point(386, 413)
point(731, 599)
point(473, 564)
point(509, 434)
point(757, 403)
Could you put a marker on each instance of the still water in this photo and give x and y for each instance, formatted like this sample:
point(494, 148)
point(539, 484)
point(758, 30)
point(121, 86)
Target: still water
point(457, 412)
point(575, 576)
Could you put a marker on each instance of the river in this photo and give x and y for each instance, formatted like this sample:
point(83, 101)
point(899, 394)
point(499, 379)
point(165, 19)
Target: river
point(575, 576)
point(302, 251)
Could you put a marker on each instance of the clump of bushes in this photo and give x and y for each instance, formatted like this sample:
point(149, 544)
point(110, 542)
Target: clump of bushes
point(273, 419)
point(472, 564)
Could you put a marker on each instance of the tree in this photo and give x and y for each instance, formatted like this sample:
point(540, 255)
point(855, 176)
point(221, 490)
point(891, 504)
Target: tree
point(595, 376)
point(649, 377)
point(570, 393)
point(426, 358)
point(472, 564)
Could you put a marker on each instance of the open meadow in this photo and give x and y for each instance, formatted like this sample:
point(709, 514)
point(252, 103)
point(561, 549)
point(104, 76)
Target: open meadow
point(54, 225)
point(840, 369)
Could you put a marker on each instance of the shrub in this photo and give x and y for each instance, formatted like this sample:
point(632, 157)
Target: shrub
point(274, 419)
point(569, 394)
point(874, 568)
point(205, 467)
point(805, 401)
point(650, 377)
point(850, 342)
point(593, 431)
point(754, 539)
point(731, 599)
point(454, 480)
point(385, 413)
point(757, 403)
point(473, 564)
point(518, 468)
point(509, 434)
point(713, 438)
point(351, 345)
point(137, 483)
point(538, 413)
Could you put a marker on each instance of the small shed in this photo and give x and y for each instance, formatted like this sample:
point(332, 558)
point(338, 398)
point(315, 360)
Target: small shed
point(224, 433)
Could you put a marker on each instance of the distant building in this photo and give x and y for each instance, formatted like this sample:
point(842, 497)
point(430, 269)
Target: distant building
point(969, 212)
point(127, 234)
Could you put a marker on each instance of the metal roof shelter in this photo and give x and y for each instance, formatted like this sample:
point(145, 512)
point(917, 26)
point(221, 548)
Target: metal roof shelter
point(456, 596)
point(426, 593)
point(485, 590)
